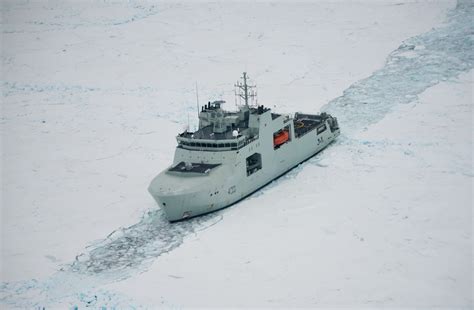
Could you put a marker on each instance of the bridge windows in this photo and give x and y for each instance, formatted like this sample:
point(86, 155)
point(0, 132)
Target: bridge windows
point(254, 163)
point(209, 146)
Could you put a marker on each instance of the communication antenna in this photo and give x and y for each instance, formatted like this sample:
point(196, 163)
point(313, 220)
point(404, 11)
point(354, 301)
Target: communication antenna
point(197, 99)
point(187, 128)
point(244, 90)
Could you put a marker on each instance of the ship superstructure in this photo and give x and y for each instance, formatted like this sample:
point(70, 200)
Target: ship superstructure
point(233, 154)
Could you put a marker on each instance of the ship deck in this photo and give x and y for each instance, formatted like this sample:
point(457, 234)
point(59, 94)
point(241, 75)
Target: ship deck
point(305, 125)
point(194, 167)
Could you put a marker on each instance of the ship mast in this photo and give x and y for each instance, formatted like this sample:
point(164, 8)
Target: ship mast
point(245, 91)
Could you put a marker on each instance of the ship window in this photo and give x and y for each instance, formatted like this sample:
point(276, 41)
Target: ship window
point(198, 144)
point(227, 145)
point(209, 145)
point(233, 144)
point(254, 163)
point(321, 129)
point(192, 144)
point(214, 145)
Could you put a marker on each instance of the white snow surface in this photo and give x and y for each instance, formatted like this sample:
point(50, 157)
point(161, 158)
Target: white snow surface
point(393, 228)
point(93, 95)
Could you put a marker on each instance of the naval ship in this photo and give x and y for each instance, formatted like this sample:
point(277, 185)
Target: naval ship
point(234, 153)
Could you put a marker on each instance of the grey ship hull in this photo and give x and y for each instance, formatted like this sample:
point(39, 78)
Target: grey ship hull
point(185, 195)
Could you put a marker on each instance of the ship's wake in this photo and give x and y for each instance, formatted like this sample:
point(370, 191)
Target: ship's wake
point(419, 63)
point(134, 248)
point(125, 252)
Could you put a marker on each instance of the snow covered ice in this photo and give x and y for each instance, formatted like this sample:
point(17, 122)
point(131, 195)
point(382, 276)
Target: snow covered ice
point(94, 95)
point(419, 62)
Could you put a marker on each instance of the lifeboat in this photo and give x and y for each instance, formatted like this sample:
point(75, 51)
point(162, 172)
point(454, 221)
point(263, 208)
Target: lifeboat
point(280, 138)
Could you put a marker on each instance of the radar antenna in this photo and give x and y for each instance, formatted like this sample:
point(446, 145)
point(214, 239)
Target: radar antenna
point(245, 91)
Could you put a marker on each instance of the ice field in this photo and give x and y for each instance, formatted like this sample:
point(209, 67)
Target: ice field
point(95, 93)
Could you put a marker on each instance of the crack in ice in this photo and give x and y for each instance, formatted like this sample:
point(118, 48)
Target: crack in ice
point(419, 63)
point(131, 249)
